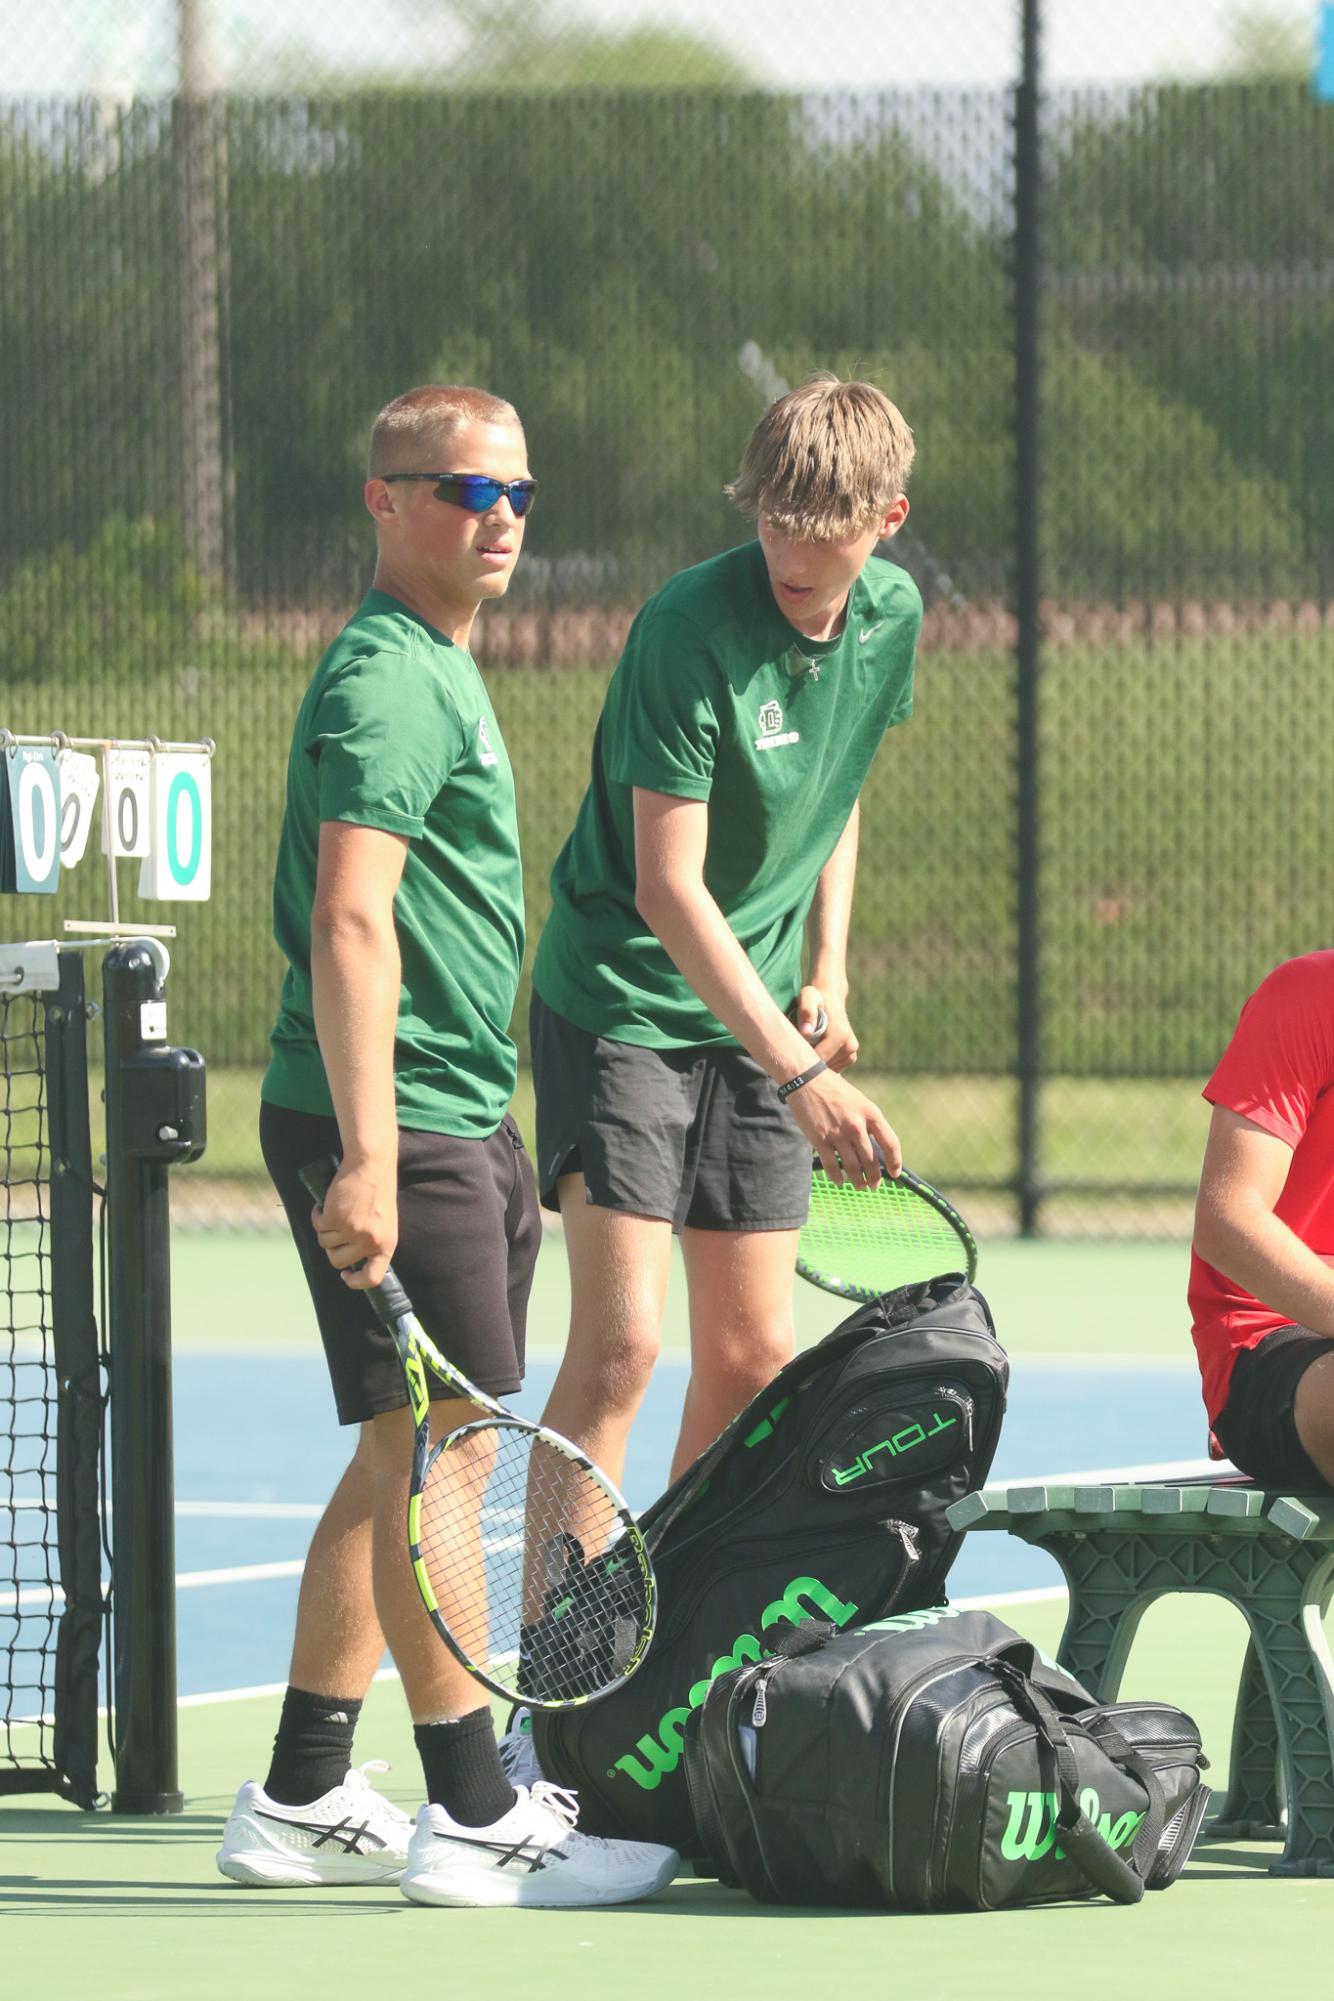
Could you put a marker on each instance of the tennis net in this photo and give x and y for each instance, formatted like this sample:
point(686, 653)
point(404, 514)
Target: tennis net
point(51, 1600)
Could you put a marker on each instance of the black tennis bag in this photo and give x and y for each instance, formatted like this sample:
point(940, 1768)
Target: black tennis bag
point(934, 1762)
point(825, 1499)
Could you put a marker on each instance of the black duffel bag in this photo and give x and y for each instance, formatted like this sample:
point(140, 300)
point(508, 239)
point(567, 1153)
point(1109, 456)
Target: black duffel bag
point(826, 1500)
point(934, 1762)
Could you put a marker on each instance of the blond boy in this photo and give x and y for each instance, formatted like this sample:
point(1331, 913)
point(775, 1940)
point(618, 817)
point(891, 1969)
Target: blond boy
point(674, 1093)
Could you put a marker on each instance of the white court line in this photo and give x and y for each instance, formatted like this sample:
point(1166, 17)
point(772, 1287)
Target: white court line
point(1111, 1476)
point(256, 1573)
point(1043, 1595)
point(1168, 1469)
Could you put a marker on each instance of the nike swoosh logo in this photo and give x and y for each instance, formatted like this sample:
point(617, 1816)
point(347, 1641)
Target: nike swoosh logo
point(862, 637)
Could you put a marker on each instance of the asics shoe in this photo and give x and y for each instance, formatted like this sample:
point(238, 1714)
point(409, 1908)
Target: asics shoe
point(532, 1855)
point(350, 1835)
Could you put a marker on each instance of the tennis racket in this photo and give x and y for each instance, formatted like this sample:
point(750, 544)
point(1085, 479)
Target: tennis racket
point(860, 1242)
point(529, 1562)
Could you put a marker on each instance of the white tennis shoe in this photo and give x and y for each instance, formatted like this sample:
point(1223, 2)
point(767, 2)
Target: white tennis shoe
point(350, 1835)
point(518, 1753)
point(533, 1855)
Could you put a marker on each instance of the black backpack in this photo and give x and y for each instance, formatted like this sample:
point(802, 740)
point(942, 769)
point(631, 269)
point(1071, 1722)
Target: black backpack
point(825, 1499)
point(934, 1762)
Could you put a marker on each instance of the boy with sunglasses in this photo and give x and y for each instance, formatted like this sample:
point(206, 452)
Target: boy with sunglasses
point(678, 1088)
point(398, 902)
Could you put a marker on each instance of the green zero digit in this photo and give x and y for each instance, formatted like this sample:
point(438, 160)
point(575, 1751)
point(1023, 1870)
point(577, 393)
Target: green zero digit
point(184, 787)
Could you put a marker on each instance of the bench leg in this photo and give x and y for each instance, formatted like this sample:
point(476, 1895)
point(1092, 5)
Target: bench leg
point(1284, 1728)
point(1300, 1677)
point(1251, 1809)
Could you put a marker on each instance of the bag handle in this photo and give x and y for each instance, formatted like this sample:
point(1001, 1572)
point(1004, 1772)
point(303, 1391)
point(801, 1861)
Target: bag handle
point(1097, 1862)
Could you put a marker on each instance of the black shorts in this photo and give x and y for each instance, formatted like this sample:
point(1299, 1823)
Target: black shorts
point(1256, 1426)
point(697, 1137)
point(468, 1233)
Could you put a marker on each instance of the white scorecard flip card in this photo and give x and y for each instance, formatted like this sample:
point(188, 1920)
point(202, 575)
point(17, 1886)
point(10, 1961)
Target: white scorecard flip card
point(179, 862)
point(125, 827)
point(79, 783)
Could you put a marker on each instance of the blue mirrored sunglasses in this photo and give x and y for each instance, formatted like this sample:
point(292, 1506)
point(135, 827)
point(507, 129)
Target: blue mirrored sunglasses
point(474, 490)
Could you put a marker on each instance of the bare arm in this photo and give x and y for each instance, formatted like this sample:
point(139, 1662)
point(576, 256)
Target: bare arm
point(356, 973)
point(827, 944)
point(671, 837)
point(1237, 1231)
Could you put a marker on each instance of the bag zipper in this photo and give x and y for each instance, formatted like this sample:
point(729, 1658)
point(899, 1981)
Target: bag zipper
point(766, 1671)
point(965, 1403)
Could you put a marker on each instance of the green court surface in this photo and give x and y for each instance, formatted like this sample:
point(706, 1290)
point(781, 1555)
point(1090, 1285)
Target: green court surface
point(1074, 1300)
point(133, 1910)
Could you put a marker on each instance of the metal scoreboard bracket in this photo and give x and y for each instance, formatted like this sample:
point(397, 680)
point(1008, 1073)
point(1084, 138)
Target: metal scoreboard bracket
point(156, 807)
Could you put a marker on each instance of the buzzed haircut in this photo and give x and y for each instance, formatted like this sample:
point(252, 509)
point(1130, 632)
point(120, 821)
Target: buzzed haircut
point(425, 417)
point(825, 462)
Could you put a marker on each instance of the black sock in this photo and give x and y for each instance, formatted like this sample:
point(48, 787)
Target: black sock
point(464, 1775)
point(313, 1747)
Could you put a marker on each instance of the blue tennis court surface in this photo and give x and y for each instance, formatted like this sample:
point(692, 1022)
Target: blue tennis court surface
point(258, 1452)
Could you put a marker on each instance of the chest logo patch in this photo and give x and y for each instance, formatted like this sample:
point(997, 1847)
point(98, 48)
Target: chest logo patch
point(485, 754)
point(772, 734)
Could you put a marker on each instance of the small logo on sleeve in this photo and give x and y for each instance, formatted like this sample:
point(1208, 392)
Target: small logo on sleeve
point(772, 734)
point(485, 754)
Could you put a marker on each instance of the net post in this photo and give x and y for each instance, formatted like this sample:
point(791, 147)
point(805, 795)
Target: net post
point(79, 1392)
point(154, 1104)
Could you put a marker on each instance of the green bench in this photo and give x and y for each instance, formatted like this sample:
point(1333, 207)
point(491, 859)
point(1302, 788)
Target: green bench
point(1272, 1555)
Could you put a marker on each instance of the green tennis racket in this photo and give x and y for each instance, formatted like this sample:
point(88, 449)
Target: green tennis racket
point(860, 1242)
point(527, 1558)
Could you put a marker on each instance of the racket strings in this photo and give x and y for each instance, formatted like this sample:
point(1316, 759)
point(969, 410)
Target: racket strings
point(865, 1241)
point(519, 1544)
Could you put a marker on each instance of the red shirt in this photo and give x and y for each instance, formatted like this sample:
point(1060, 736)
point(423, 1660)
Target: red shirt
point(1277, 1071)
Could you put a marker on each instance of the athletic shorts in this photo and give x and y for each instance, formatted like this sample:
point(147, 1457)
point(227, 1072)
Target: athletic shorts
point(697, 1136)
point(1256, 1426)
point(468, 1233)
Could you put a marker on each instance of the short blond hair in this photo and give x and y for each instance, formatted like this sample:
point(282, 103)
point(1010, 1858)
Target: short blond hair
point(427, 417)
point(826, 461)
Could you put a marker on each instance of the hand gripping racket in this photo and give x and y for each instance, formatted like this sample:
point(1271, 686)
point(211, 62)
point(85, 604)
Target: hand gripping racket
point(529, 1562)
point(860, 1242)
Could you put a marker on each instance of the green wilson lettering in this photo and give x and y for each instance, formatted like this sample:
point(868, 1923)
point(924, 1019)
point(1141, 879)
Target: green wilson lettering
point(902, 1441)
point(661, 1754)
point(1031, 1831)
point(913, 1622)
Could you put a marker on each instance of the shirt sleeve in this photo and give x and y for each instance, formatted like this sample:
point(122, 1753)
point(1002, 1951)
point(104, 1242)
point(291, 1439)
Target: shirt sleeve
point(664, 734)
point(386, 735)
point(1281, 1056)
point(910, 633)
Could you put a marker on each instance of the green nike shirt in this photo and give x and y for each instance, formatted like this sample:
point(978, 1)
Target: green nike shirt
point(717, 697)
point(397, 732)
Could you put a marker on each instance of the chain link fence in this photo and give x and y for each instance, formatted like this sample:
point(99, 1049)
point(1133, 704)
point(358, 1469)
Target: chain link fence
point(229, 233)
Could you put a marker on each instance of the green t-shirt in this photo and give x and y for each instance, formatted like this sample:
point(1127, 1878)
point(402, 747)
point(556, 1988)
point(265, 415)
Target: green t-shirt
point(397, 732)
point(718, 697)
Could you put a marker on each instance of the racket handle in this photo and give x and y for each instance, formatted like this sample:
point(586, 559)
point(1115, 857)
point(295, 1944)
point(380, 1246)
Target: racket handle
point(388, 1301)
point(821, 1022)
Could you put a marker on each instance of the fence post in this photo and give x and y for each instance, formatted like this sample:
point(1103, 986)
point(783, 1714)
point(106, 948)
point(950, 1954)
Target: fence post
point(1027, 553)
point(154, 1102)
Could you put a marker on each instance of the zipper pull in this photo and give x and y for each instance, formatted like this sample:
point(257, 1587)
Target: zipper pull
point(957, 1396)
point(760, 1707)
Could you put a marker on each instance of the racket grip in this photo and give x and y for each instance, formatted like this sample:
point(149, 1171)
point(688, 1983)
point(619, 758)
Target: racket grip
point(821, 1022)
point(387, 1300)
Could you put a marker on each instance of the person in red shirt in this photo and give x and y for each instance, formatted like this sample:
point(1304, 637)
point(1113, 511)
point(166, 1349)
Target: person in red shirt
point(1262, 1263)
